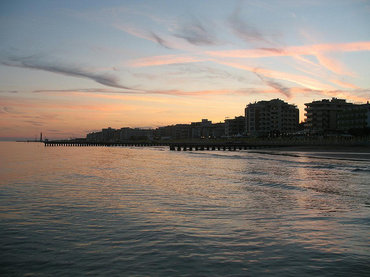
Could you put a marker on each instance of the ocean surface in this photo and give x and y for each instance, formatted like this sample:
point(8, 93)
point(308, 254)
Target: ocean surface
point(121, 211)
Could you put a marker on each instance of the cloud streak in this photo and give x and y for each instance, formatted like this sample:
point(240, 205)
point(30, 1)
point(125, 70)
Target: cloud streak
point(333, 65)
point(8, 91)
point(144, 34)
point(195, 33)
point(68, 70)
point(344, 84)
point(294, 78)
point(244, 30)
point(293, 50)
point(165, 60)
point(279, 87)
point(160, 40)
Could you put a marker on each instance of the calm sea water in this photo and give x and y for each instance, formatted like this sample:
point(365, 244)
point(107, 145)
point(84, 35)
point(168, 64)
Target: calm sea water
point(153, 212)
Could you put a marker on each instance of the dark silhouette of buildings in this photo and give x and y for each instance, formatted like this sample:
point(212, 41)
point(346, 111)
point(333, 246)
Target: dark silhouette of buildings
point(335, 115)
point(354, 117)
point(264, 118)
point(271, 118)
point(235, 127)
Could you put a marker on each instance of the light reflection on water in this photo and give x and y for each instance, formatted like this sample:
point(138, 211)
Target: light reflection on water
point(150, 211)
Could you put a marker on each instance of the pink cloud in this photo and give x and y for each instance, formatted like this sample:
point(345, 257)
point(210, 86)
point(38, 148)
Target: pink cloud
point(164, 60)
point(346, 95)
point(294, 78)
point(344, 84)
point(303, 59)
point(333, 65)
point(293, 50)
point(320, 51)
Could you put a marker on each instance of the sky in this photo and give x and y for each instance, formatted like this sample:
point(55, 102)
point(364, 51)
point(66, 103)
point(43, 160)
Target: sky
point(68, 68)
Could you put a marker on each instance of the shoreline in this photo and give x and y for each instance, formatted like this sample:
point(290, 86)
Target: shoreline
point(326, 148)
point(355, 153)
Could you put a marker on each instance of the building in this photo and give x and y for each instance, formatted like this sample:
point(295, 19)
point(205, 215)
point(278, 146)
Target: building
point(235, 127)
point(123, 134)
point(109, 134)
point(218, 130)
point(354, 117)
point(271, 118)
point(207, 129)
point(178, 131)
point(126, 134)
point(322, 116)
point(202, 129)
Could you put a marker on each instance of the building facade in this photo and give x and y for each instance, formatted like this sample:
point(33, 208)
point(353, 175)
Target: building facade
point(322, 116)
point(126, 134)
point(235, 127)
point(270, 118)
point(120, 135)
point(354, 117)
point(195, 130)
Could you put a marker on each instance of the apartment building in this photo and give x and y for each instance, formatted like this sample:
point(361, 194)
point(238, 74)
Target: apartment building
point(354, 117)
point(322, 116)
point(268, 118)
point(235, 127)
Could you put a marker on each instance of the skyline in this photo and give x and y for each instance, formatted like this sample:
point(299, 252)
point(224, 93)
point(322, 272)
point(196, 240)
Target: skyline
point(69, 68)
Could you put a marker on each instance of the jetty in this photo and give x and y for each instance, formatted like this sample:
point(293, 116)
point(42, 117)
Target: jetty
point(174, 146)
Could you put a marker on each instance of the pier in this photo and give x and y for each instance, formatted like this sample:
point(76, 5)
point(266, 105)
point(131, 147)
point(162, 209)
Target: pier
point(174, 146)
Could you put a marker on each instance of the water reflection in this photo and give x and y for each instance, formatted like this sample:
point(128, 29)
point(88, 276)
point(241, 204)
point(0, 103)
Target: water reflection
point(139, 211)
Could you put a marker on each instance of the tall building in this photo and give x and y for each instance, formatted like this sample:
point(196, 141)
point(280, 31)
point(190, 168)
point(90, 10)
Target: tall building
point(354, 117)
point(322, 116)
point(271, 118)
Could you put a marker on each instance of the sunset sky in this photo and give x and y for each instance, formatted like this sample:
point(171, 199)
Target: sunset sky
point(71, 67)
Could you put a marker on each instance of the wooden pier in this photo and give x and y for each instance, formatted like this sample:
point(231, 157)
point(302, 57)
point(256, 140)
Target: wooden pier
point(174, 146)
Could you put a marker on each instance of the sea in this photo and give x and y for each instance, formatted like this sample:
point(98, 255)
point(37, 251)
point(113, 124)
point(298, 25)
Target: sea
point(149, 211)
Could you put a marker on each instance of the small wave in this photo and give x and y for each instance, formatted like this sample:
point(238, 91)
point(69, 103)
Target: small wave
point(222, 156)
point(280, 186)
point(328, 166)
point(361, 170)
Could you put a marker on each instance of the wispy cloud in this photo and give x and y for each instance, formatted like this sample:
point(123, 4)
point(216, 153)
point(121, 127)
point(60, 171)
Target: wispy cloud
point(35, 123)
point(344, 84)
point(144, 34)
point(169, 92)
point(34, 62)
point(320, 51)
point(276, 85)
point(160, 40)
point(245, 30)
point(83, 90)
point(333, 65)
point(8, 91)
point(208, 72)
point(9, 110)
point(165, 60)
point(29, 106)
point(163, 92)
point(348, 95)
point(293, 50)
point(196, 33)
point(266, 76)
point(294, 78)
